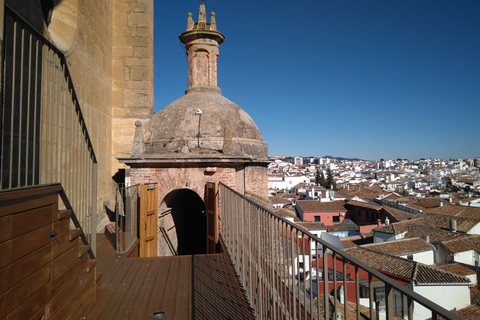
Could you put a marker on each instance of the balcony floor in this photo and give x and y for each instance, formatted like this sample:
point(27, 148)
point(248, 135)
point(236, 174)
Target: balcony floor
point(186, 287)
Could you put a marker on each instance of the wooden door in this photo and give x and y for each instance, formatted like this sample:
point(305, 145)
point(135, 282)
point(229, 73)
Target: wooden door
point(148, 222)
point(211, 202)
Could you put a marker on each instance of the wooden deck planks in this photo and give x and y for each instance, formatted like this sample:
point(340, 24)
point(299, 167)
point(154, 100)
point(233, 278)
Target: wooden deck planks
point(186, 287)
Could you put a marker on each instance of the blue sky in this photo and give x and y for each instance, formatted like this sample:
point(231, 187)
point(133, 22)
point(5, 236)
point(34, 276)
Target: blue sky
point(369, 79)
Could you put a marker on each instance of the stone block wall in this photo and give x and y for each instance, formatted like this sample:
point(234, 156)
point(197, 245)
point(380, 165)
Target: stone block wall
point(132, 71)
point(108, 45)
point(89, 61)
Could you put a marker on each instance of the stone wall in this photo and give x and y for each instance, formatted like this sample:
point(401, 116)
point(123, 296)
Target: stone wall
point(132, 71)
point(108, 45)
point(89, 61)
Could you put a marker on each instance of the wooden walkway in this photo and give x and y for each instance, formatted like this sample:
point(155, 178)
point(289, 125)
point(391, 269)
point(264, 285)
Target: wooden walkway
point(186, 287)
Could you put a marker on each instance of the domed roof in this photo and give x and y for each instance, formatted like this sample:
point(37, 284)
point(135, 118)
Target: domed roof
point(180, 118)
point(203, 119)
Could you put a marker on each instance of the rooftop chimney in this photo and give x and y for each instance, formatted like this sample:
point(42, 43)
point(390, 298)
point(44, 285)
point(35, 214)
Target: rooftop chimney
point(426, 238)
point(453, 225)
point(387, 221)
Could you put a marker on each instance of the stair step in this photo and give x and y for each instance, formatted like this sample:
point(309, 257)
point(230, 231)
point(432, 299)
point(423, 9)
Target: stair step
point(91, 264)
point(74, 233)
point(63, 214)
point(98, 277)
point(82, 250)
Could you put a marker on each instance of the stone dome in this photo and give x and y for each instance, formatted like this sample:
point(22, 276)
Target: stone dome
point(204, 121)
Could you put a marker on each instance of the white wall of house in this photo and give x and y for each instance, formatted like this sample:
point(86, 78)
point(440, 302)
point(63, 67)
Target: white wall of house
point(426, 257)
point(475, 230)
point(380, 237)
point(468, 257)
point(448, 296)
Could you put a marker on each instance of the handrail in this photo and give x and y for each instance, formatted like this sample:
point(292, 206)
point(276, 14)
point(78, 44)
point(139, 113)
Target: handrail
point(43, 133)
point(126, 221)
point(17, 195)
point(268, 251)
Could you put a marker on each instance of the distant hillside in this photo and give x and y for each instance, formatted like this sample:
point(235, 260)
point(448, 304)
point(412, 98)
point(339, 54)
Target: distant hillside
point(343, 159)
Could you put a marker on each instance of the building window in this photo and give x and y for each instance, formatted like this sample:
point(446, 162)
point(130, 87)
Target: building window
point(316, 218)
point(336, 218)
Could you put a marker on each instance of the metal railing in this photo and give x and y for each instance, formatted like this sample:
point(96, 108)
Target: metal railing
point(269, 254)
point(44, 138)
point(126, 221)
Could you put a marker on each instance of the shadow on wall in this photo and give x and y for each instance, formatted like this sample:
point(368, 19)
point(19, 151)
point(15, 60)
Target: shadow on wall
point(188, 213)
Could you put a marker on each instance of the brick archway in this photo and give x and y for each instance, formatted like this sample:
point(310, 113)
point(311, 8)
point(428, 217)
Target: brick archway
point(183, 219)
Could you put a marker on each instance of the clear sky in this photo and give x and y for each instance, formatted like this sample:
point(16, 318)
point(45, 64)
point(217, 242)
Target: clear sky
point(369, 79)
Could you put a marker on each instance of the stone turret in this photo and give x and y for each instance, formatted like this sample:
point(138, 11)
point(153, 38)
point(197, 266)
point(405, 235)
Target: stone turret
point(202, 136)
point(203, 121)
point(202, 42)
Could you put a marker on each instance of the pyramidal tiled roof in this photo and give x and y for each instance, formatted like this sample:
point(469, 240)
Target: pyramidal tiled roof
point(400, 247)
point(463, 244)
point(407, 269)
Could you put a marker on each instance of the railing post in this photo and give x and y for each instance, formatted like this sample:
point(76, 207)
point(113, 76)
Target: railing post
point(93, 244)
point(389, 301)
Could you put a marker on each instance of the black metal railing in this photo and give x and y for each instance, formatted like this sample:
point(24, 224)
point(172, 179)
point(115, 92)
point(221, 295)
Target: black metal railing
point(272, 256)
point(43, 134)
point(126, 217)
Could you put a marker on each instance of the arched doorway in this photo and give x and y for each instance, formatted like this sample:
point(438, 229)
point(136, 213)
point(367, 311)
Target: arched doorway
point(182, 215)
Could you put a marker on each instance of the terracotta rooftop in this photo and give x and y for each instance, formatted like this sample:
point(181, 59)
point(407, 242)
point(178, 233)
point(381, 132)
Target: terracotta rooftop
point(286, 213)
point(469, 313)
point(404, 268)
point(345, 225)
point(368, 193)
point(463, 244)
point(436, 235)
point(475, 295)
point(425, 203)
point(459, 211)
point(456, 268)
point(401, 247)
point(364, 205)
point(275, 199)
point(437, 227)
point(317, 206)
point(394, 228)
point(443, 221)
point(400, 215)
point(311, 225)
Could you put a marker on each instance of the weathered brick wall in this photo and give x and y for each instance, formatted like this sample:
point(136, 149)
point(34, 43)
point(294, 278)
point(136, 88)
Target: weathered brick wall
point(176, 178)
point(256, 181)
point(132, 71)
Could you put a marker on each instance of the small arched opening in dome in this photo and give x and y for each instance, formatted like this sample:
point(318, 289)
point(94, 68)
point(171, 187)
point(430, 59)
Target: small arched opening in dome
point(184, 221)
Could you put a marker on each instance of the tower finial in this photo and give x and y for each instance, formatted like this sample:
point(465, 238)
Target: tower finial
point(202, 17)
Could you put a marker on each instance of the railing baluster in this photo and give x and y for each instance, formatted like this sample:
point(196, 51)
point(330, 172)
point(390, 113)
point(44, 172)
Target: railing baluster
point(345, 299)
point(326, 292)
point(269, 252)
point(28, 125)
point(357, 293)
point(389, 301)
point(370, 296)
point(335, 307)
